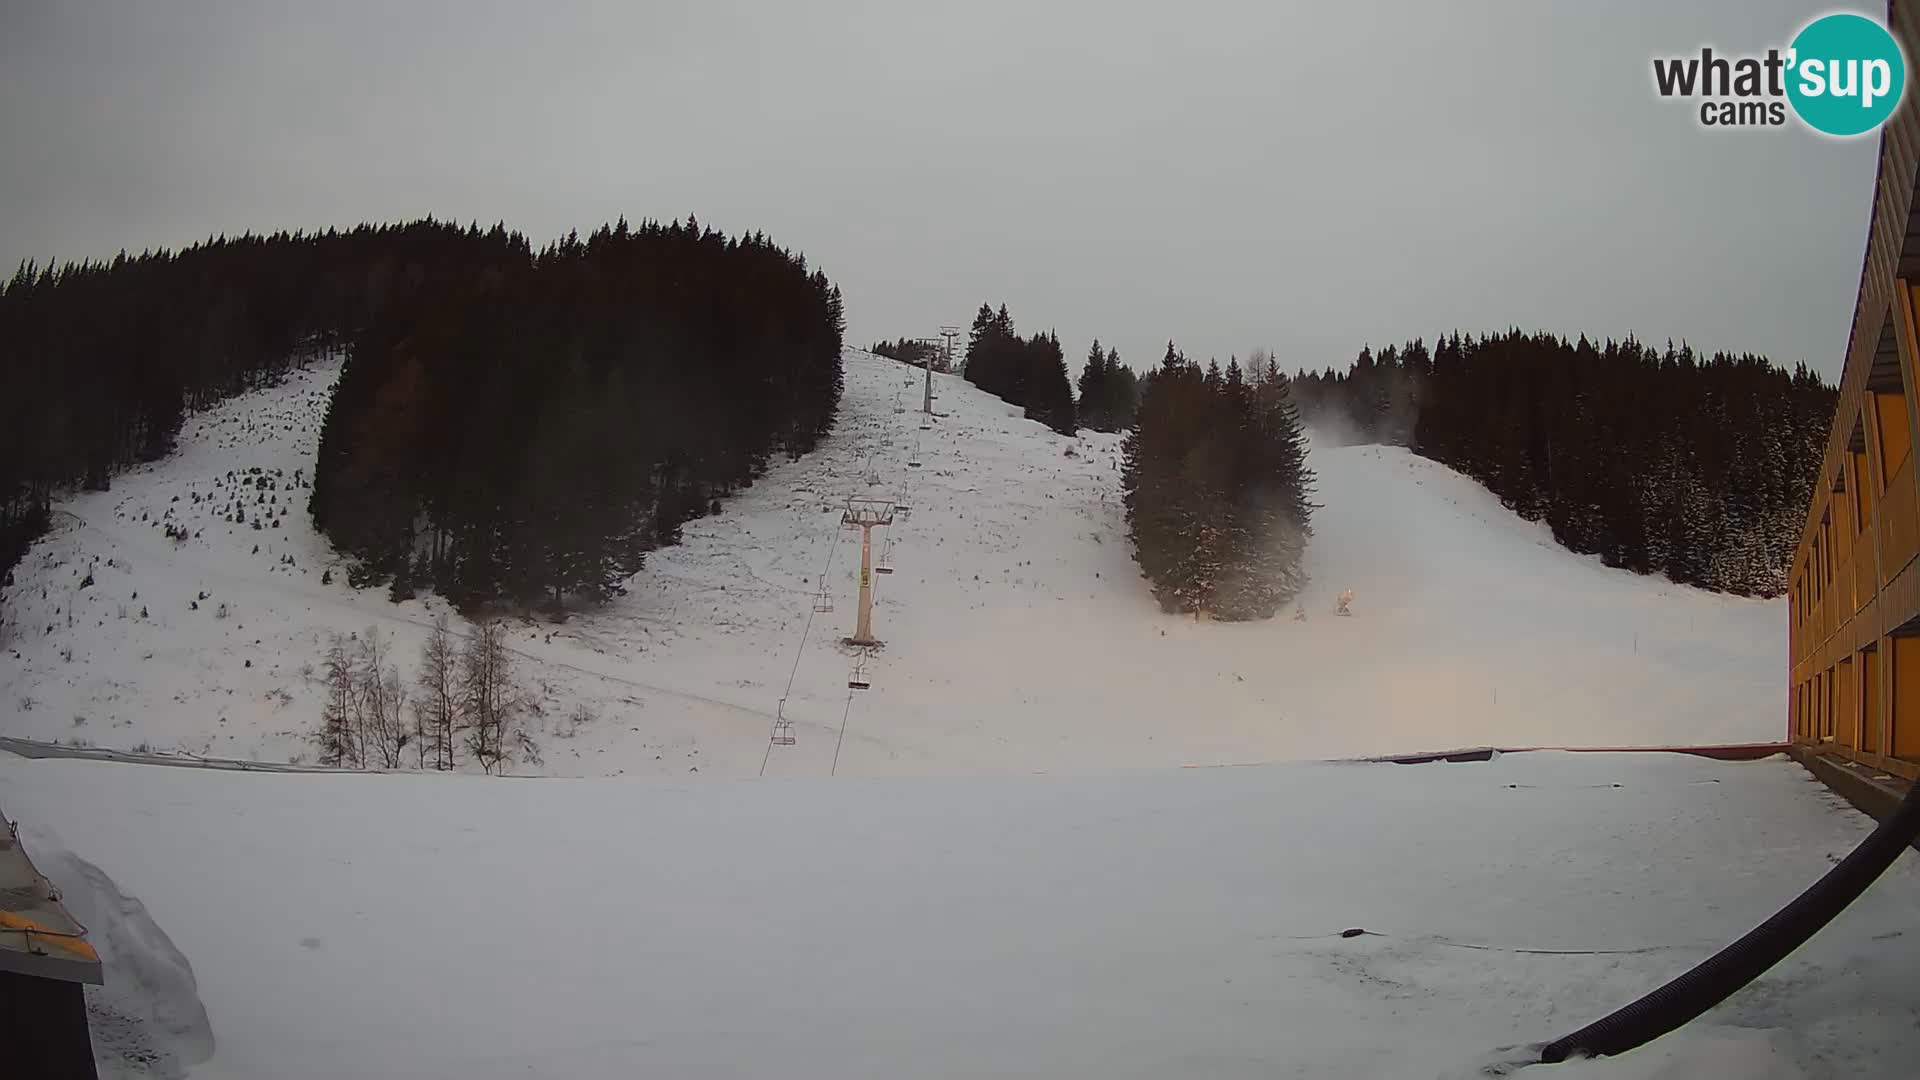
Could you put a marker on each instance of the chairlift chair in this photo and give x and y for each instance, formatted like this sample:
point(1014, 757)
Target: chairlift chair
point(823, 600)
point(886, 558)
point(858, 680)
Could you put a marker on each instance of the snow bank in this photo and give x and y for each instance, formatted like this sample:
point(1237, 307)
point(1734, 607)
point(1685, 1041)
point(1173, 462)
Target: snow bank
point(1172, 923)
point(147, 1020)
point(1703, 1051)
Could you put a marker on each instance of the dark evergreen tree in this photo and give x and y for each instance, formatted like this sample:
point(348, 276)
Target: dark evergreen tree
point(1030, 372)
point(1109, 391)
point(578, 409)
point(1049, 393)
point(917, 353)
point(1217, 489)
point(1092, 386)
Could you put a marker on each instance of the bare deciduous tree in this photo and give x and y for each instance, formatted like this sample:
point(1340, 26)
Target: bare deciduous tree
point(490, 702)
point(383, 726)
point(339, 741)
point(437, 710)
point(1257, 362)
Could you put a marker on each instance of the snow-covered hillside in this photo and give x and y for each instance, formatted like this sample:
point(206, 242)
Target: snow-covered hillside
point(1017, 632)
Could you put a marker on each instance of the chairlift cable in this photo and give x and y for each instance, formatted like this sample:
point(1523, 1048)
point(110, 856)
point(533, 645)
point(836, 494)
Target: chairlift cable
point(843, 735)
point(833, 548)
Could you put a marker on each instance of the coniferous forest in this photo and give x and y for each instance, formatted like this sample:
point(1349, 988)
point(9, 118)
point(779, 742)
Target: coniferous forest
point(910, 351)
point(1029, 372)
point(1217, 489)
point(509, 424)
point(1658, 461)
point(525, 425)
point(1109, 391)
point(103, 360)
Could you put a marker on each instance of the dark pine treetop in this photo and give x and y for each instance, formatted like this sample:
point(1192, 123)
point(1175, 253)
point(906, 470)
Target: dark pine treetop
point(1029, 372)
point(1109, 391)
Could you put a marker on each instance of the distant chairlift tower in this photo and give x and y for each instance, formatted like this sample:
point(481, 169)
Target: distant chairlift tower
point(949, 333)
point(866, 514)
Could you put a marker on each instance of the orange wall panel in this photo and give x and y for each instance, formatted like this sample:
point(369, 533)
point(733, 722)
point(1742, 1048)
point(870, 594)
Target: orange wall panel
point(1890, 420)
point(1845, 714)
point(1899, 531)
point(1904, 739)
point(1870, 723)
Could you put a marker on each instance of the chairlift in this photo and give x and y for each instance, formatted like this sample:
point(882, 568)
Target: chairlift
point(858, 680)
point(823, 600)
point(782, 727)
point(886, 558)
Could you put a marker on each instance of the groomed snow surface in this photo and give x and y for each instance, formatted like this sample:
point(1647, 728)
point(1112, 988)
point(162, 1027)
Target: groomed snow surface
point(935, 909)
point(1018, 633)
point(1168, 923)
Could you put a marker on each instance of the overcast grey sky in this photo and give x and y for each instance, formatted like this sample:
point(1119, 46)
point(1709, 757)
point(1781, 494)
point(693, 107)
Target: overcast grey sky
point(1303, 177)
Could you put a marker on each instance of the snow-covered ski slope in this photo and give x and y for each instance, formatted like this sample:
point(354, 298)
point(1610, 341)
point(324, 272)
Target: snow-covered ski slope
point(1173, 923)
point(1017, 632)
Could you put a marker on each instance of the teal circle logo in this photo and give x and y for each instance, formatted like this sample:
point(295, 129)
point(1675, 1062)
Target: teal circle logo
point(1845, 74)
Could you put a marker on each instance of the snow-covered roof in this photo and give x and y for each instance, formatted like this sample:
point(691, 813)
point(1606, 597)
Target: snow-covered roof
point(37, 935)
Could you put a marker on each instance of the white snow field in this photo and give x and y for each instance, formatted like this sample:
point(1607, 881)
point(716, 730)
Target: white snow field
point(1018, 634)
point(1120, 917)
point(1167, 923)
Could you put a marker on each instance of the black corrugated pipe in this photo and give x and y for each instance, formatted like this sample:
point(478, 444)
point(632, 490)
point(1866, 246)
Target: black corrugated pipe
point(1717, 977)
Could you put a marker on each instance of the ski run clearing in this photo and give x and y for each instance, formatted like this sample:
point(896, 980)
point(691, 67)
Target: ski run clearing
point(1121, 917)
point(1018, 633)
